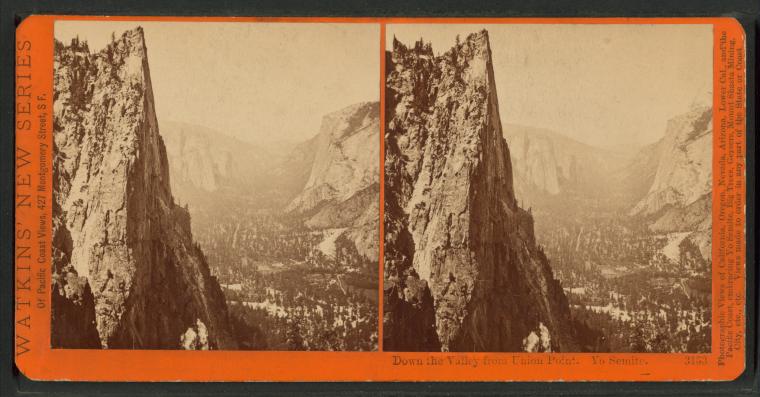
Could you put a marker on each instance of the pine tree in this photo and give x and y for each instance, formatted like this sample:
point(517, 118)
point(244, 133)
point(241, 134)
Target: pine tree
point(638, 344)
point(294, 339)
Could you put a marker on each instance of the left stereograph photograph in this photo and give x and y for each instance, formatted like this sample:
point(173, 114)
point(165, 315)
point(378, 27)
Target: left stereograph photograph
point(216, 186)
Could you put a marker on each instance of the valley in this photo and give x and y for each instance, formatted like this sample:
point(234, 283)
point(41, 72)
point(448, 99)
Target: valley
point(288, 287)
point(642, 291)
point(296, 261)
point(628, 235)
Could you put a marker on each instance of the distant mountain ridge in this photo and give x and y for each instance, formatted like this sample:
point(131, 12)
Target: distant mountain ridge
point(205, 158)
point(329, 181)
point(204, 161)
point(548, 163)
point(666, 184)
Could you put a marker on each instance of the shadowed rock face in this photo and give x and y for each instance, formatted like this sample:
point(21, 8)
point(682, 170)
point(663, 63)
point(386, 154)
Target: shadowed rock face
point(126, 273)
point(462, 269)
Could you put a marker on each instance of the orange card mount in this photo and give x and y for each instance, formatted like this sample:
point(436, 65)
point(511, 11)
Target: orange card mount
point(171, 226)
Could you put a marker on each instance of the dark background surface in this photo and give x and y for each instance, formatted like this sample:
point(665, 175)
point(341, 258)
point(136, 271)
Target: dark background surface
point(13, 11)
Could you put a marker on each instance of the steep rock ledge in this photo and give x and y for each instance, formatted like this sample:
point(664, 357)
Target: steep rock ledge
point(125, 268)
point(462, 269)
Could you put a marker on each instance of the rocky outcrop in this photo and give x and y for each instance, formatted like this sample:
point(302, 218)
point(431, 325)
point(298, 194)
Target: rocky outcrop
point(462, 268)
point(126, 270)
point(679, 196)
point(343, 185)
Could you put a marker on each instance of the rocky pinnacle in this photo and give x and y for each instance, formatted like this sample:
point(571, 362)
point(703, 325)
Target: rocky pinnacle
point(126, 272)
point(462, 268)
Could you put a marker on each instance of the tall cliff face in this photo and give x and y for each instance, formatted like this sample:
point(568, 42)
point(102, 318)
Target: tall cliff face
point(206, 164)
point(679, 197)
point(462, 269)
point(343, 184)
point(547, 163)
point(684, 166)
point(125, 268)
point(346, 157)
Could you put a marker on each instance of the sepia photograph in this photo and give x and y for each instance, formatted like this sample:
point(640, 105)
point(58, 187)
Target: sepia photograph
point(548, 188)
point(216, 185)
point(413, 197)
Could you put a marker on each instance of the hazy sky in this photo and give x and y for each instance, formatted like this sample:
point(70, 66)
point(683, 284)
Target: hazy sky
point(255, 81)
point(605, 85)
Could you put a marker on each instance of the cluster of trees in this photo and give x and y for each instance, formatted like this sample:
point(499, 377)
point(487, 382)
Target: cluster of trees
point(283, 292)
point(232, 244)
point(307, 308)
point(646, 331)
point(625, 294)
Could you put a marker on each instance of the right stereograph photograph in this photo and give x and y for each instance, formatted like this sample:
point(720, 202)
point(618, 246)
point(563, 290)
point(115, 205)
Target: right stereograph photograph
point(547, 188)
